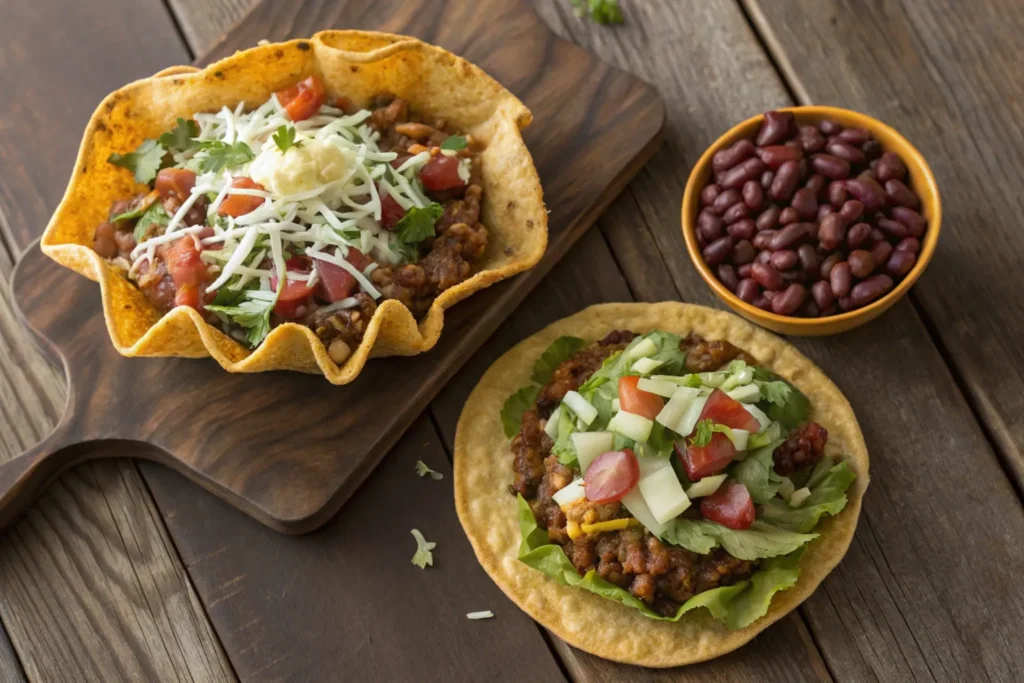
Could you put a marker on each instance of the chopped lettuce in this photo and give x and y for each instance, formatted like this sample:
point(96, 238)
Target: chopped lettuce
point(564, 447)
point(757, 473)
point(738, 605)
point(515, 406)
point(423, 471)
point(155, 214)
point(559, 351)
point(782, 401)
point(423, 557)
point(828, 497)
point(759, 541)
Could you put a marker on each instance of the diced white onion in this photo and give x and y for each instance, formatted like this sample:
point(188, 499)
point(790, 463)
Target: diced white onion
point(580, 406)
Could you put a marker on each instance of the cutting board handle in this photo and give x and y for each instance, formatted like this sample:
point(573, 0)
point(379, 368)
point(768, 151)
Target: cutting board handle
point(23, 478)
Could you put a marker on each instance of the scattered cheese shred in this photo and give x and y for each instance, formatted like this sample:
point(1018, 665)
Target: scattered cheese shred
point(610, 525)
point(486, 614)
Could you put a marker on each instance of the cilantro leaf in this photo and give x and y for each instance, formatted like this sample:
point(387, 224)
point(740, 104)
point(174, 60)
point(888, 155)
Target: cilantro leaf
point(422, 470)
point(560, 350)
point(144, 162)
point(284, 138)
point(782, 401)
point(141, 206)
point(155, 215)
point(253, 314)
point(221, 155)
point(423, 556)
point(418, 224)
point(601, 11)
point(515, 405)
point(179, 138)
point(454, 144)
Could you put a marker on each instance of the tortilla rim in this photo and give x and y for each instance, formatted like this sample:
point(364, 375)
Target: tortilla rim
point(587, 621)
point(353, 63)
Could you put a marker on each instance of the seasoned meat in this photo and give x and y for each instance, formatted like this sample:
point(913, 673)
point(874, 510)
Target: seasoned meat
point(405, 283)
point(804, 447)
point(572, 373)
point(156, 282)
point(529, 448)
point(465, 210)
point(617, 338)
point(196, 215)
point(348, 324)
point(721, 569)
point(586, 512)
point(707, 356)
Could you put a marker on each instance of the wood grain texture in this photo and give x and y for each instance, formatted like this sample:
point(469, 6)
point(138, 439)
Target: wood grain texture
point(345, 602)
point(10, 668)
point(927, 590)
point(946, 75)
point(92, 587)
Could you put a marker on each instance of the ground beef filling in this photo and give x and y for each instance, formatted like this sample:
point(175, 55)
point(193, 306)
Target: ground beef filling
point(444, 261)
point(662, 575)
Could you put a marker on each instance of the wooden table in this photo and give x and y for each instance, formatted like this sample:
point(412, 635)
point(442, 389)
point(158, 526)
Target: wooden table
point(125, 571)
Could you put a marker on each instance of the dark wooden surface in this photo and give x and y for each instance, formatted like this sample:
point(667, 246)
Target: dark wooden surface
point(928, 589)
point(596, 135)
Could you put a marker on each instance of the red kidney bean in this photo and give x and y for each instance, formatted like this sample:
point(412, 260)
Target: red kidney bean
point(742, 229)
point(893, 229)
point(809, 309)
point(736, 212)
point(790, 235)
point(816, 184)
point(784, 259)
point(900, 263)
point(851, 210)
point(881, 252)
point(709, 194)
point(811, 139)
point(795, 144)
point(743, 253)
point(788, 216)
point(744, 270)
point(915, 222)
point(741, 173)
point(718, 251)
point(901, 194)
point(858, 235)
point(829, 127)
point(725, 159)
point(766, 179)
point(762, 238)
point(747, 290)
point(871, 173)
point(776, 155)
point(789, 300)
point(727, 274)
point(840, 279)
point(845, 303)
point(766, 276)
point(701, 241)
point(762, 302)
point(785, 181)
point(869, 192)
point(830, 166)
point(836, 193)
point(753, 195)
point(861, 263)
point(809, 260)
point(769, 218)
point(822, 293)
point(805, 203)
point(866, 291)
point(725, 200)
point(794, 276)
point(832, 231)
point(855, 136)
point(845, 150)
point(911, 244)
point(830, 261)
point(872, 149)
point(890, 167)
point(709, 225)
point(824, 210)
point(764, 256)
point(876, 236)
point(802, 167)
point(775, 129)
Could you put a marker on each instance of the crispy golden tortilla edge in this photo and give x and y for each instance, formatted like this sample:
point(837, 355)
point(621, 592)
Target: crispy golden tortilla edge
point(487, 511)
point(357, 64)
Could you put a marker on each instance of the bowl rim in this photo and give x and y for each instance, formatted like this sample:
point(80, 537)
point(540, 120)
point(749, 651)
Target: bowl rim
point(691, 206)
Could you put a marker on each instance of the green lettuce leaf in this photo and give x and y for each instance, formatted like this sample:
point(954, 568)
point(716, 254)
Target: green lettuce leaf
point(671, 357)
point(757, 473)
point(553, 356)
point(564, 447)
point(828, 497)
point(759, 541)
point(252, 313)
point(515, 406)
point(782, 401)
point(688, 533)
point(738, 605)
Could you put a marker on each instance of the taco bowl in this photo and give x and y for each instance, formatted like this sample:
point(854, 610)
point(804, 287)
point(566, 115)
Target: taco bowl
point(678, 479)
point(302, 205)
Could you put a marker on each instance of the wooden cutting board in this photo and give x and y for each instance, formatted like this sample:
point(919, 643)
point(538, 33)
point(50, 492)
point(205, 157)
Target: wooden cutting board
point(289, 448)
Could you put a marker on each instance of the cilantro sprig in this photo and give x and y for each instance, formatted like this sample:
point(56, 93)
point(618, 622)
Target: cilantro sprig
point(253, 313)
point(454, 143)
point(418, 223)
point(179, 138)
point(144, 162)
point(601, 11)
point(284, 138)
point(422, 470)
point(423, 557)
point(220, 155)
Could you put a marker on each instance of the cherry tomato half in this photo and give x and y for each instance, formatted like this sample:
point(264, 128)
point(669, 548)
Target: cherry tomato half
point(637, 401)
point(303, 99)
point(175, 182)
point(441, 173)
point(236, 205)
point(730, 506)
point(725, 410)
point(611, 476)
point(703, 461)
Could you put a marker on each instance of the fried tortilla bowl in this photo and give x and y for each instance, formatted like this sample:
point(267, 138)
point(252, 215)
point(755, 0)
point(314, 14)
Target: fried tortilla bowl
point(483, 473)
point(358, 65)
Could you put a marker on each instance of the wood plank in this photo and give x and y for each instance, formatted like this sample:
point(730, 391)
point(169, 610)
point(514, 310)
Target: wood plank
point(945, 75)
point(346, 598)
point(10, 667)
point(92, 586)
point(910, 599)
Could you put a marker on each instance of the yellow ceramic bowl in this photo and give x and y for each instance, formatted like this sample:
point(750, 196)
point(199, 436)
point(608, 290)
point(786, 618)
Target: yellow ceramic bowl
point(921, 181)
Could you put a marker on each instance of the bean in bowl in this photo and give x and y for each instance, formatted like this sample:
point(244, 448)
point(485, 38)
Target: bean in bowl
point(809, 220)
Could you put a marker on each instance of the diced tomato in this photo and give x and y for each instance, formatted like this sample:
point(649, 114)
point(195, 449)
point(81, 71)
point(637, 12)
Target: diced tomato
point(236, 205)
point(730, 506)
point(175, 182)
point(724, 410)
point(303, 99)
point(291, 310)
point(187, 269)
point(293, 288)
point(187, 296)
point(390, 212)
point(636, 401)
point(345, 104)
point(611, 476)
point(441, 173)
point(703, 461)
point(336, 283)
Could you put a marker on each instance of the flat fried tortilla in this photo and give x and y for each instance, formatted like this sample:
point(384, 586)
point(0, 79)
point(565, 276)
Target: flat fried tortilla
point(358, 65)
point(483, 473)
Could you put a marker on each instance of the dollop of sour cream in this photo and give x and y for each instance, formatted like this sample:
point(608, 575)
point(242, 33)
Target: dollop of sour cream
point(302, 168)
